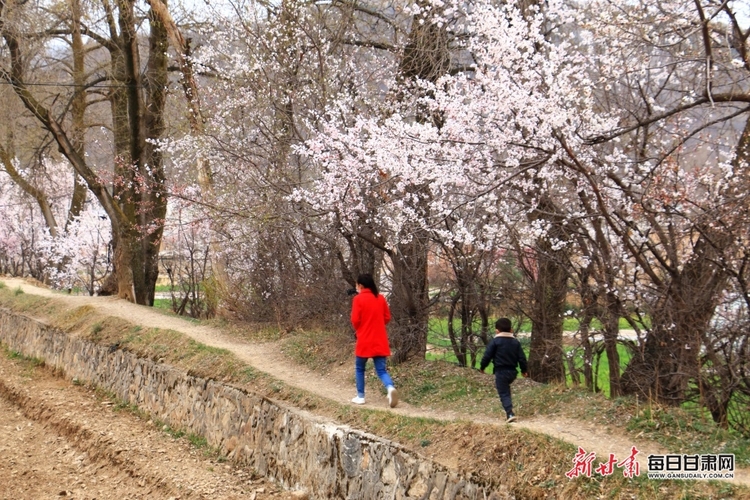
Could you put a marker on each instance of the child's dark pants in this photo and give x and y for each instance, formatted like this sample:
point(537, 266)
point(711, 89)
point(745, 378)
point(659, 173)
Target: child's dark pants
point(503, 379)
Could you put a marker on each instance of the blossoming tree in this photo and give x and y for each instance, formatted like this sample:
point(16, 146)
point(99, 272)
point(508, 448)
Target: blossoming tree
point(534, 141)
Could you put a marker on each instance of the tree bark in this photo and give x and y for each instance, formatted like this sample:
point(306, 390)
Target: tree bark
point(547, 311)
point(409, 301)
point(547, 273)
point(160, 14)
point(611, 323)
point(670, 358)
point(77, 109)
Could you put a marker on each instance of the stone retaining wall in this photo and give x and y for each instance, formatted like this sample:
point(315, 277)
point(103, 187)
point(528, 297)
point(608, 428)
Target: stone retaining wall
point(293, 447)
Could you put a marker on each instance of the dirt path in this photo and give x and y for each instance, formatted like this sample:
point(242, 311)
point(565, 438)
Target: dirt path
point(336, 386)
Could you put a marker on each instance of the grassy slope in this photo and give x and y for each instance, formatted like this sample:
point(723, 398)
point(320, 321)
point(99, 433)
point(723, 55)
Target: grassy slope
point(525, 464)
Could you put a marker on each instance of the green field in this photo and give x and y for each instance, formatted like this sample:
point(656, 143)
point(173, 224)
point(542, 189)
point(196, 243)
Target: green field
point(439, 348)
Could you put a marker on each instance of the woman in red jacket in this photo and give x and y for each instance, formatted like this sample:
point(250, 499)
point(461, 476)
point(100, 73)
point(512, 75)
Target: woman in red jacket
point(370, 313)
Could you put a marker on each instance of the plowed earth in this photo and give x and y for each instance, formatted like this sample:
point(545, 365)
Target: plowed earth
point(59, 440)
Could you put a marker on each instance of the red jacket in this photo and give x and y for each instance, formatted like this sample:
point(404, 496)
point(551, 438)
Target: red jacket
point(369, 317)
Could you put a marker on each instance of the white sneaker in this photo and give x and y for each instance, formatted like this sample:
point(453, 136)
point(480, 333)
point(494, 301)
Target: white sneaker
point(392, 397)
point(358, 401)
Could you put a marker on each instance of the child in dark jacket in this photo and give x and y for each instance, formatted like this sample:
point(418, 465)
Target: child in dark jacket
point(505, 353)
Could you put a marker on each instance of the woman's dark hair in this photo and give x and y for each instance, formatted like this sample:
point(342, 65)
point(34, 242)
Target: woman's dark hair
point(366, 281)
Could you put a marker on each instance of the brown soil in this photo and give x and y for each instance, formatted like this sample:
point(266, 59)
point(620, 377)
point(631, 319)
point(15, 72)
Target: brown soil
point(59, 440)
point(334, 385)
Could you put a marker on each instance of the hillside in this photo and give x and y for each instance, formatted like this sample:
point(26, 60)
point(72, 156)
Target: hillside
point(460, 427)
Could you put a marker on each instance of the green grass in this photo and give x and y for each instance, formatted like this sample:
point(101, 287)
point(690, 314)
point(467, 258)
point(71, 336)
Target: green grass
point(33, 361)
point(439, 325)
point(600, 366)
point(690, 431)
point(318, 350)
point(434, 386)
point(177, 289)
point(197, 441)
point(438, 328)
point(442, 350)
point(573, 324)
point(165, 304)
point(168, 429)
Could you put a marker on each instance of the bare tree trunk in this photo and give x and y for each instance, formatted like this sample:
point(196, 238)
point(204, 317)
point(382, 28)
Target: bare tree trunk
point(611, 323)
point(548, 276)
point(136, 128)
point(154, 199)
point(409, 301)
point(122, 261)
point(670, 359)
point(160, 14)
point(548, 308)
point(125, 204)
point(456, 342)
point(588, 312)
point(365, 256)
point(26, 187)
point(77, 109)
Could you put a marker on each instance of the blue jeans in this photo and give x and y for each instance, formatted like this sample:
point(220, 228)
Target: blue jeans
point(503, 379)
point(359, 372)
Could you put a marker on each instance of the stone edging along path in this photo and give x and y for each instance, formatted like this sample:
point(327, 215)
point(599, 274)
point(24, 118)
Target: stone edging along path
point(290, 446)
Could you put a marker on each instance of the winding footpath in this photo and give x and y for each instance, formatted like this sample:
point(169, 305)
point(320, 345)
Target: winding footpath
point(268, 358)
